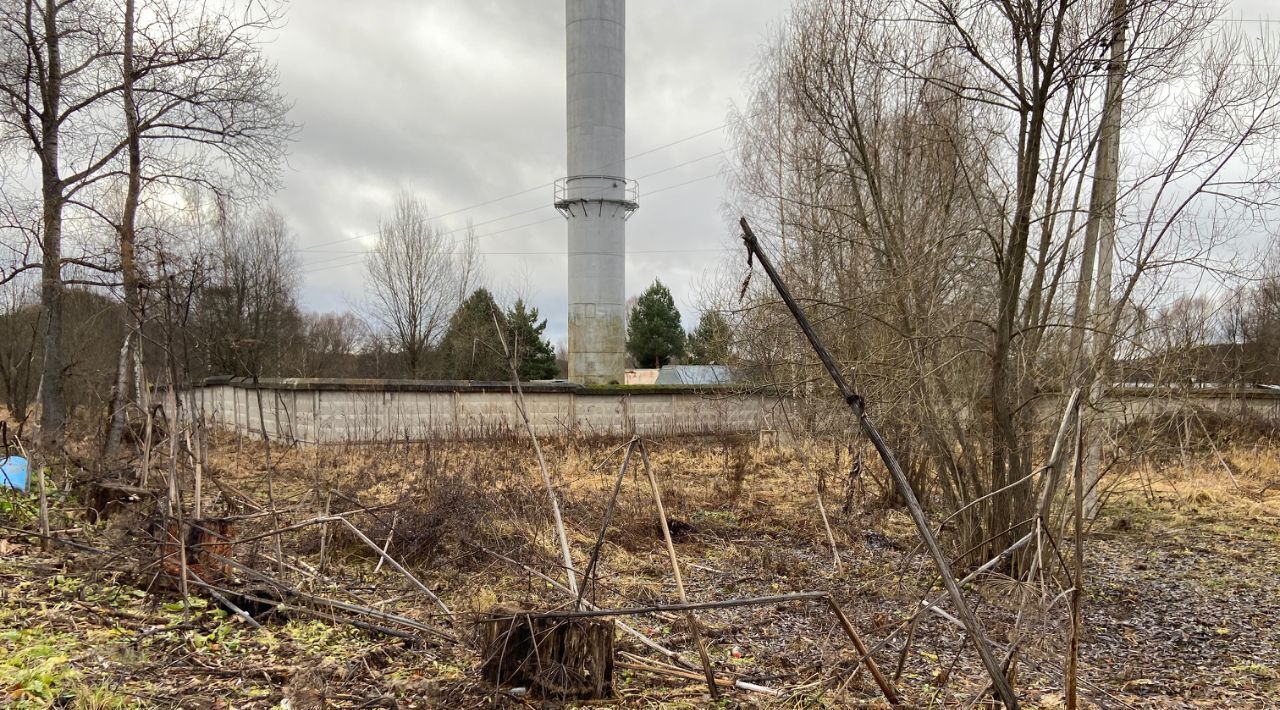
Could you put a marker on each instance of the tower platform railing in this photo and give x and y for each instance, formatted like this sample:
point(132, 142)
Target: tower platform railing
point(596, 196)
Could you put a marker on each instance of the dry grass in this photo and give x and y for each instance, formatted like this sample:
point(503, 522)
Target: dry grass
point(747, 525)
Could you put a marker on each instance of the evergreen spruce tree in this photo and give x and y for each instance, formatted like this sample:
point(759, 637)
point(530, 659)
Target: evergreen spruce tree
point(654, 333)
point(709, 343)
point(537, 358)
point(471, 349)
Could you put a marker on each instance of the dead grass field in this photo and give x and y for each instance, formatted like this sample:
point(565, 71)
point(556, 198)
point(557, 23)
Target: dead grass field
point(1183, 606)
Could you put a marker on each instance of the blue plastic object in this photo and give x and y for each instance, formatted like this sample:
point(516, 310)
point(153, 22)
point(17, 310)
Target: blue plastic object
point(13, 472)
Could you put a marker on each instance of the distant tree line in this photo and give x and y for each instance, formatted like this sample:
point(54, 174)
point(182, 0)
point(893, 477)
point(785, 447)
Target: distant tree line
point(231, 307)
point(142, 257)
point(141, 254)
point(426, 319)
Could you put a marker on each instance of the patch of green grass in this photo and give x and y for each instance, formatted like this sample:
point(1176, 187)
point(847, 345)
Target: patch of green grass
point(16, 508)
point(726, 518)
point(98, 697)
point(35, 669)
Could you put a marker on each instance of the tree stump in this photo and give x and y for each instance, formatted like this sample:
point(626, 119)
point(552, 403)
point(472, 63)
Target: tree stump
point(565, 659)
point(208, 544)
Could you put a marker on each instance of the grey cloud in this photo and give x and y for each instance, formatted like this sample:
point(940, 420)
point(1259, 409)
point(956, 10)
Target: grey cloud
point(463, 101)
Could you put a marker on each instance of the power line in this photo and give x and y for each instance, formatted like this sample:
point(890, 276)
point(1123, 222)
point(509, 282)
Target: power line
point(1249, 20)
point(343, 255)
point(508, 229)
point(456, 242)
point(469, 228)
point(557, 252)
point(539, 208)
point(561, 252)
point(353, 262)
point(546, 185)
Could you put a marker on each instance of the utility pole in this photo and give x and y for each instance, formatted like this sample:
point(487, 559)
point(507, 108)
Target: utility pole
point(1102, 222)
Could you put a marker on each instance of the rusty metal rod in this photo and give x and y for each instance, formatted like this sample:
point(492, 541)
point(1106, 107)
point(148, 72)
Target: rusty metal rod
point(858, 406)
point(691, 606)
point(890, 693)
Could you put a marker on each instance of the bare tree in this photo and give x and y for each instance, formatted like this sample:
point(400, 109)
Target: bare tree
point(332, 341)
point(192, 84)
point(248, 318)
point(1185, 324)
point(416, 279)
point(196, 95)
point(1190, 341)
point(19, 352)
point(1259, 319)
point(55, 61)
point(20, 226)
point(925, 173)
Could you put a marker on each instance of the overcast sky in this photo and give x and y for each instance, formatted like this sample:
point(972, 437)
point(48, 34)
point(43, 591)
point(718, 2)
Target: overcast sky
point(463, 101)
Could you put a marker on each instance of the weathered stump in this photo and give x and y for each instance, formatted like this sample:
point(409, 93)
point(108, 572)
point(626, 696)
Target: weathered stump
point(208, 544)
point(568, 659)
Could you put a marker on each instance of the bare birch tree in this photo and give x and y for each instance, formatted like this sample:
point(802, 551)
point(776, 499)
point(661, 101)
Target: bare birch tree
point(199, 106)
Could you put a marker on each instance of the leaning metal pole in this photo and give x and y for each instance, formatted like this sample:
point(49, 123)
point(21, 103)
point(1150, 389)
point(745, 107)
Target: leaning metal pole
point(858, 406)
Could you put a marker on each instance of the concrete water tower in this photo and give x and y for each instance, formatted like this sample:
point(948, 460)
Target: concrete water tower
point(596, 198)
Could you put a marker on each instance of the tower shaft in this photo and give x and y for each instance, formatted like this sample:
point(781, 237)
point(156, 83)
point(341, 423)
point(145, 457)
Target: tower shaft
point(596, 197)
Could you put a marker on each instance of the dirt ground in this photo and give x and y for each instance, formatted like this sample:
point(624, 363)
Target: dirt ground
point(1182, 607)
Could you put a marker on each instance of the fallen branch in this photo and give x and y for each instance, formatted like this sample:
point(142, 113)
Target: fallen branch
point(291, 591)
point(983, 568)
point(690, 606)
point(890, 693)
point(1218, 454)
point(52, 538)
point(542, 461)
point(341, 606)
point(363, 538)
point(608, 516)
point(225, 602)
point(395, 516)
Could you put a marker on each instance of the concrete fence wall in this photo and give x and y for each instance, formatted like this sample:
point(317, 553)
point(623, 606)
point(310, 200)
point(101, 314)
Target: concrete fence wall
point(389, 410)
point(1128, 405)
point(314, 410)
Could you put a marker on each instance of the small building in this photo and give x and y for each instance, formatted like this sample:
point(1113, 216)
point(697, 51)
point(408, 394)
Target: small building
point(694, 375)
point(641, 376)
